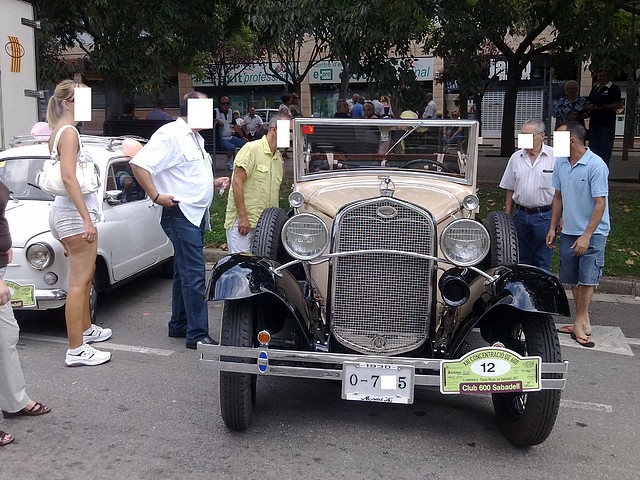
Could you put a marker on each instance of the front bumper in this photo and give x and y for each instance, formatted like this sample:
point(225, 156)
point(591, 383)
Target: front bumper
point(300, 364)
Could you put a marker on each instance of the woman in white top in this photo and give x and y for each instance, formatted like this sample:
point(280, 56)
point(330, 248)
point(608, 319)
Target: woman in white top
point(72, 220)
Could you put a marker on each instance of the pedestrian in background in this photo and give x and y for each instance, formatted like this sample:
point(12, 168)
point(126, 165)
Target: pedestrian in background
point(255, 186)
point(253, 124)
point(580, 199)
point(175, 171)
point(223, 117)
point(431, 110)
point(342, 109)
point(14, 400)
point(527, 180)
point(158, 112)
point(571, 106)
point(602, 103)
point(73, 221)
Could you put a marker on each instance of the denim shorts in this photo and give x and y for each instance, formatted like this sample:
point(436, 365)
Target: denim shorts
point(66, 222)
point(585, 269)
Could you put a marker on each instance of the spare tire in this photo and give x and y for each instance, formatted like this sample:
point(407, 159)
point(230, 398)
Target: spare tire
point(503, 240)
point(267, 241)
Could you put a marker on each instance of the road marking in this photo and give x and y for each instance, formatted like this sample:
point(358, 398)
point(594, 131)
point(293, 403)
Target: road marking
point(106, 346)
point(633, 341)
point(594, 407)
point(607, 339)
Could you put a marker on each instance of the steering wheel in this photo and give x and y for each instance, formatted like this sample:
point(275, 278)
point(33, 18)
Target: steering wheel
point(426, 161)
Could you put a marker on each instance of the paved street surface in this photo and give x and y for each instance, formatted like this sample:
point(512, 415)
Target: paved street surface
point(152, 413)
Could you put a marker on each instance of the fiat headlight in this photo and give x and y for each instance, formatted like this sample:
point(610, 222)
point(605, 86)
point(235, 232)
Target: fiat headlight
point(305, 236)
point(464, 242)
point(40, 255)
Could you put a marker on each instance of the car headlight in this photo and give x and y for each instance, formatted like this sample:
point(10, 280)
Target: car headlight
point(305, 236)
point(40, 255)
point(464, 242)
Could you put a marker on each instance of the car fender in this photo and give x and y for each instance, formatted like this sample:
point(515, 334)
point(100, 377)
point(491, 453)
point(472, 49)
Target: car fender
point(517, 287)
point(245, 275)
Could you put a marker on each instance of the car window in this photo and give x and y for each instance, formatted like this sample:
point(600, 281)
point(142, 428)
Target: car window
point(121, 184)
point(442, 147)
point(19, 175)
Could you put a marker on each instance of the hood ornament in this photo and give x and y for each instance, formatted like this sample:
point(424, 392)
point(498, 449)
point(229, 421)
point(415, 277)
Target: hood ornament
point(387, 187)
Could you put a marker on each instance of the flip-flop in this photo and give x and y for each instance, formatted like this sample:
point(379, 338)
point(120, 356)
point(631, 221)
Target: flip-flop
point(585, 342)
point(568, 329)
point(37, 409)
point(5, 438)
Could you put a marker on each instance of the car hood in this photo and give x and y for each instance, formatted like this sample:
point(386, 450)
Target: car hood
point(27, 219)
point(327, 196)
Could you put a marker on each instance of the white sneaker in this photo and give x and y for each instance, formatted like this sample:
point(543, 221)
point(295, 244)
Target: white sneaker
point(88, 356)
point(98, 334)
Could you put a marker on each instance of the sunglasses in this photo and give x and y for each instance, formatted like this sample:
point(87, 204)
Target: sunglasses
point(224, 103)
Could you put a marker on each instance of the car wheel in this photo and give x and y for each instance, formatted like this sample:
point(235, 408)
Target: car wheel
point(93, 301)
point(166, 269)
point(527, 419)
point(237, 390)
point(267, 242)
point(503, 240)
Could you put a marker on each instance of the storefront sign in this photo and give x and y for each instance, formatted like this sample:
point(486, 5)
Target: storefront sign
point(331, 72)
point(249, 75)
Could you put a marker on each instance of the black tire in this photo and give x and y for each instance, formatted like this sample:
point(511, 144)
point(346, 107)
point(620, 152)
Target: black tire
point(267, 242)
point(503, 240)
point(527, 419)
point(237, 390)
point(93, 300)
point(166, 269)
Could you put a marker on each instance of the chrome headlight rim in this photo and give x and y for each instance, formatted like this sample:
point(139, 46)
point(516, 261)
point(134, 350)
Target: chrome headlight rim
point(44, 248)
point(311, 218)
point(296, 199)
point(455, 259)
point(470, 202)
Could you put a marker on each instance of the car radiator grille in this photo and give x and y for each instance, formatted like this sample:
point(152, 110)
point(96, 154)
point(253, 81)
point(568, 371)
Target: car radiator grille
point(381, 302)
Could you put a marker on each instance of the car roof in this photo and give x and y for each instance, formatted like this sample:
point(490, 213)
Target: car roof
point(101, 148)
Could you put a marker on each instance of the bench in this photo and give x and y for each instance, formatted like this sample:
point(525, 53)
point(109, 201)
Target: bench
point(139, 128)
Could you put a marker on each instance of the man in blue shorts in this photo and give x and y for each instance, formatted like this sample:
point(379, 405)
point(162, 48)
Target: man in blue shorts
point(581, 191)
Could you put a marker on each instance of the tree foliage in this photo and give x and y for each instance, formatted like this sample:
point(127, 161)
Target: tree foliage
point(133, 44)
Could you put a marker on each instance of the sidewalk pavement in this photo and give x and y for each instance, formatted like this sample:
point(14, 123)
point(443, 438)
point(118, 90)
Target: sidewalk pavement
point(490, 169)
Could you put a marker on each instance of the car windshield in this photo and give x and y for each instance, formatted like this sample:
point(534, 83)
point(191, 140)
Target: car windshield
point(19, 175)
point(348, 146)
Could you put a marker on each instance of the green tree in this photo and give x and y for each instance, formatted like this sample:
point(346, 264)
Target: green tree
point(133, 44)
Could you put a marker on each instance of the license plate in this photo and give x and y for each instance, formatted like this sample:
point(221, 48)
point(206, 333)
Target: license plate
point(375, 382)
point(21, 295)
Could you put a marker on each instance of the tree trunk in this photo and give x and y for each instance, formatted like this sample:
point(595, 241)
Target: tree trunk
point(344, 79)
point(629, 115)
point(507, 142)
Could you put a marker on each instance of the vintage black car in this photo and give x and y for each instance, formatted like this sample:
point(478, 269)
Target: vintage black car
point(380, 277)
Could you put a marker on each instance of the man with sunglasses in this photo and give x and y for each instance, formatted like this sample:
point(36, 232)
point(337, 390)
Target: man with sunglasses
point(527, 180)
point(224, 121)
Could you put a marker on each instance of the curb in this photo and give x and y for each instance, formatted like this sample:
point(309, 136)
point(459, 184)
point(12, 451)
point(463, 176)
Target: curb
point(610, 285)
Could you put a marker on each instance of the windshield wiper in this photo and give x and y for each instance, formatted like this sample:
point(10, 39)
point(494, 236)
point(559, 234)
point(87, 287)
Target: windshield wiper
point(421, 124)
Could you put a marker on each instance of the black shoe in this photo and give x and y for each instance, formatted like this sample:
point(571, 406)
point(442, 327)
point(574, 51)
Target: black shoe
point(205, 340)
point(177, 334)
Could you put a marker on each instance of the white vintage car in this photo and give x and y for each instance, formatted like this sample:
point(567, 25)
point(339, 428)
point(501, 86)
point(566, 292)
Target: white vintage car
point(130, 239)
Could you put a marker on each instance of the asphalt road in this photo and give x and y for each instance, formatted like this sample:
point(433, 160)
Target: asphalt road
point(152, 413)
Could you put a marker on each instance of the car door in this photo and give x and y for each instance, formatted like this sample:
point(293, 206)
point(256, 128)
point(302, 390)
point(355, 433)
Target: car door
point(135, 238)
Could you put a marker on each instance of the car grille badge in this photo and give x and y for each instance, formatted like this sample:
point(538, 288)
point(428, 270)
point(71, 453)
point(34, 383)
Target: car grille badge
point(387, 187)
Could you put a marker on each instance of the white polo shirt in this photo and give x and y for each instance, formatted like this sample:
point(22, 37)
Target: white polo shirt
point(180, 166)
point(530, 182)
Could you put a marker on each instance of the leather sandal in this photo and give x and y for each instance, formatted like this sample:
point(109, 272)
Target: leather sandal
point(5, 438)
point(37, 409)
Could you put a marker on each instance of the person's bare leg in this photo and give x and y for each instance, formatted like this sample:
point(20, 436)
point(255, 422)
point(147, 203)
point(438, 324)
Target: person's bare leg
point(82, 260)
point(582, 295)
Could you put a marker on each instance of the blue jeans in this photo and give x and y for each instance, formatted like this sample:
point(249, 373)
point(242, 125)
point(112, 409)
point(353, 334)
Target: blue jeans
point(231, 143)
point(189, 311)
point(532, 229)
point(601, 141)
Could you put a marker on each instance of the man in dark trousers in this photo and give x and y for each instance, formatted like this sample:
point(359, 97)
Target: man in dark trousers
point(602, 103)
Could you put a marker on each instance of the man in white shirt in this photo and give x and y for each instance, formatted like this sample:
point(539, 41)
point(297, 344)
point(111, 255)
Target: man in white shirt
point(253, 124)
point(431, 110)
point(175, 171)
point(527, 180)
point(223, 117)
